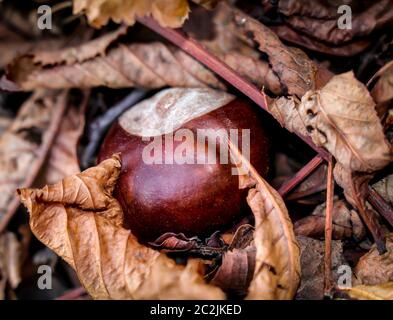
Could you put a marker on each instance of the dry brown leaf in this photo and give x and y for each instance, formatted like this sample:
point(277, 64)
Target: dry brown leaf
point(236, 271)
point(24, 145)
point(152, 65)
point(80, 220)
point(10, 262)
point(355, 186)
point(297, 73)
point(340, 117)
point(312, 254)
point(99, 12)
point(286, 33)
point(378, 15)
point(238, 263)
point(320, 8)
point(382, 291)
point(373, 268)
point(384, 187)
point(382, 91)
point(346, 223)
point(286, 112)
point(62, 160)
point(277, 267)
point(73, 54)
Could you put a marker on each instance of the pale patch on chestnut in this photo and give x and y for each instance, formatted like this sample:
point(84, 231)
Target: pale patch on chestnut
point(190, 192)
point(166, 111)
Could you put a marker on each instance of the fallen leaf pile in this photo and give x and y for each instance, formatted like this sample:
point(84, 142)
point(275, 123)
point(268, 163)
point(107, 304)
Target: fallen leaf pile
point(24, 145)
point(63, 88)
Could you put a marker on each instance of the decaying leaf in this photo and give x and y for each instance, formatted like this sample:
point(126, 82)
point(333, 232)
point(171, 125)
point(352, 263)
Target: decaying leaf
point(384, 187)
point(350, 49)
point(373, 268)
point(24, 145)
point(346, 223)
point(320, 8)
point(238, 263)
point(10, 262)
point(355, 186)
point(378, 15)
point(312, 254)
point(80, 220)
point(340, 117)
point(382, 291)
point(277, 267)
point(99, 12)
point(152, 65)
point(62, 160)
point(297, 73)
point(382, 91)
point(78, 53)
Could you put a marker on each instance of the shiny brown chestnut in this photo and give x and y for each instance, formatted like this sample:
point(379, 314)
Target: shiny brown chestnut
point(191, 198)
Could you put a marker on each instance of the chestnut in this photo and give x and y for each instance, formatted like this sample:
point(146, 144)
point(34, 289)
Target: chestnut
point(195, 198)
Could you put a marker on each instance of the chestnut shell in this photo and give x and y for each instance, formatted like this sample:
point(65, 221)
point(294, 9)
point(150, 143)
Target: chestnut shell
point(194, 199)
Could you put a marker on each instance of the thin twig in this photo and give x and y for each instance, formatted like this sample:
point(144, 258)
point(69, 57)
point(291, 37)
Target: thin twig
point(73, 294)
point(302, 174)
point(328, 229)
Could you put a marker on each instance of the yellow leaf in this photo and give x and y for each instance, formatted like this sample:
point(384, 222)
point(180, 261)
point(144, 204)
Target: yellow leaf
point(382, 291)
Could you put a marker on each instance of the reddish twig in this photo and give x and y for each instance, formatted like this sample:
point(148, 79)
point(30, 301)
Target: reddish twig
point(73, 294)
point(197, 51)
point(328, 228)
point(303, 173)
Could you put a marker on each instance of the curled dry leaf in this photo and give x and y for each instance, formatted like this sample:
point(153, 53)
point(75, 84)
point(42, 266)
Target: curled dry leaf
point(24, 145)
point(62, 160)
point(277, 267)
point(346, 223)
point(373, 268)
point(382, 291)
point(168, 14)
point(153, 65)
point(80, 220)
point(341, 117)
